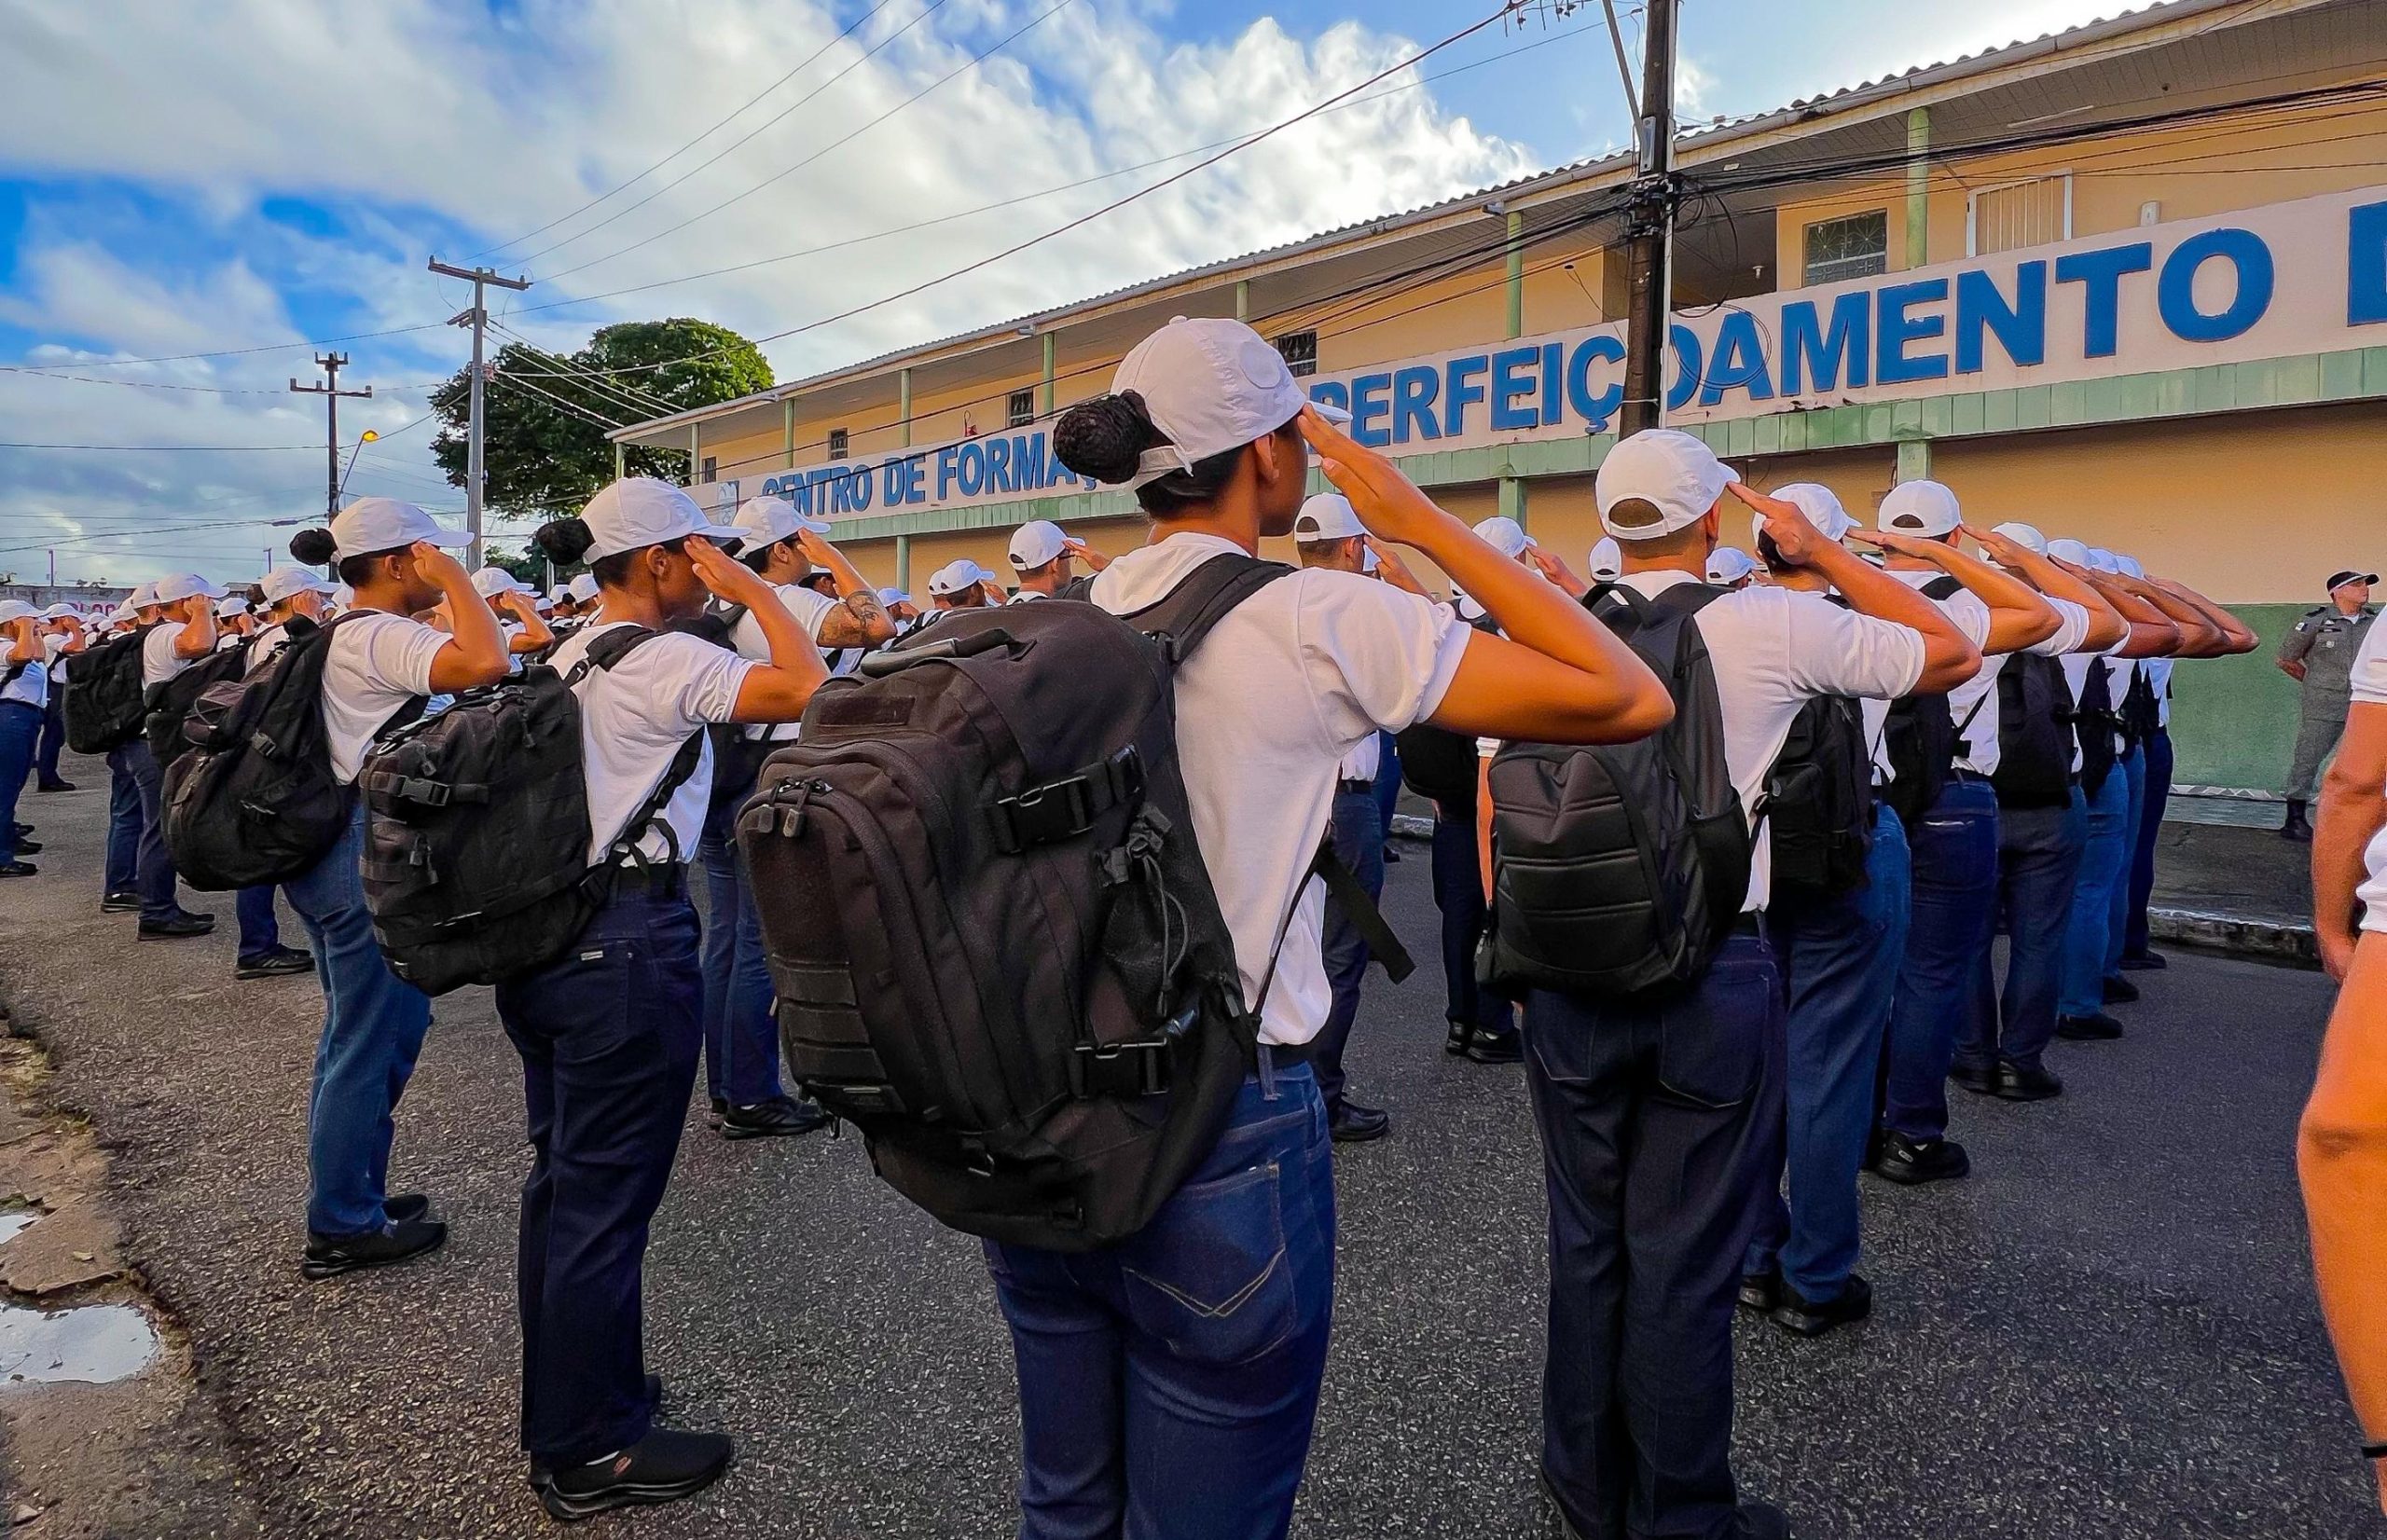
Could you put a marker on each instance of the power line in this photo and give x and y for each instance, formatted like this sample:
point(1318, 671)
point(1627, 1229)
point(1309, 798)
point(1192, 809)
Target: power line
point(168, 448)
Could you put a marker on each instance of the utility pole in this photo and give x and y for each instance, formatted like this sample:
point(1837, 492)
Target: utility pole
point(1649, 235)
point(476, 318)
point(331, 364)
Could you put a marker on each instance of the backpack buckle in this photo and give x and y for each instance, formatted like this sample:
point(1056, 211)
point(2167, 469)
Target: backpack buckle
point(1064, 808)
point(1119, 1069)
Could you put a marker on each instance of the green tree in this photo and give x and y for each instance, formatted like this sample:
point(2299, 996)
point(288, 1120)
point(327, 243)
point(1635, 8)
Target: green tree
point(543, 459)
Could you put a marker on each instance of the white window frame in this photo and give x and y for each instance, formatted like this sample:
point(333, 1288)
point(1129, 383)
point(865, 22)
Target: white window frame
point(1973, 198)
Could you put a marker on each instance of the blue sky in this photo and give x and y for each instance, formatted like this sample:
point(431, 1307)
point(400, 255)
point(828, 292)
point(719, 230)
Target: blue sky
point(236, 179)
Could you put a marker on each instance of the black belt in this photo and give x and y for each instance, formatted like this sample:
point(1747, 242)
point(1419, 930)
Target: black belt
point(26, 704)
point(667, 878)
point(1286, 1055)
point(1360, 786)
point(1747, 925)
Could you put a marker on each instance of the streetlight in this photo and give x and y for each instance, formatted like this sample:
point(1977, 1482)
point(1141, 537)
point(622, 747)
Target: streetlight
point(369, 436)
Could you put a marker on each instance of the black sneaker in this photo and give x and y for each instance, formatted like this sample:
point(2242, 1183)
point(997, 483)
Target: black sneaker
point(1763, 1521)
point(1912, 1162)
point(1391, 857)
point(664, 1466)
point(56, 785)
point(778, 1118)
point(1350, 1124)
point(19, 869)
point(2020, 1083)
point(329, 1256)
point(2095, 1027)
point(280, 960)
point(1497, 1047)
point(2145, 962)
point(1801, 1318)
point(1461, 1033)
point(542, 1476)
point(120, 904)
point(1762, 1291)
point(181, 926)
point(403, 1208)
point(712, 1118)
point(28, 848)
point(1981, 1080)
point(2119, 991)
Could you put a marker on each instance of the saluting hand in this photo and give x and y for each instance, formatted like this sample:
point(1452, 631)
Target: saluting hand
point(1553, 566)
point(1094, 560)
point(726, 578)
point(435, 563)
point(1795, 540)
point(1388, 503)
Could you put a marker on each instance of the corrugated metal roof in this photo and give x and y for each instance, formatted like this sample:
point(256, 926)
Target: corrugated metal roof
point(1704, 141)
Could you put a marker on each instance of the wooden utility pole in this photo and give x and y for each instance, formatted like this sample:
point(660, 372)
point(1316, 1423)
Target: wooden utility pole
point(476, 318)
point(1649, 235)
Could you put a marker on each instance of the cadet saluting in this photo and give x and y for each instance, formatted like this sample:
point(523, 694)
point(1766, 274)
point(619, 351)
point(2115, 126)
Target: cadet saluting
point(2319, 655)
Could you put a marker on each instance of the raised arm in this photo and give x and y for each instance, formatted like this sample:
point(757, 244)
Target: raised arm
point(2199, 637)
point(862, 621)
point(1949, 656)
point(2019, 616)
point(2106, 626)
point(536, 633)
point(780, 690)
point(2151, 633)
point(475, 654)
point(2238, 636)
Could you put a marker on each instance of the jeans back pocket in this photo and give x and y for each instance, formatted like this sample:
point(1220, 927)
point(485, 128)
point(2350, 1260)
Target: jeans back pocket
point(1209, 1275)
point(1712, 1043)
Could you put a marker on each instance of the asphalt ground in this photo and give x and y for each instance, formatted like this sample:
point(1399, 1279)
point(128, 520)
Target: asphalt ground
point(2108, 1331)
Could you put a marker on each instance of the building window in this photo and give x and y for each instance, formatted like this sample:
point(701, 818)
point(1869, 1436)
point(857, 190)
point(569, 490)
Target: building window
point(1301, 352)
point(837, 442)
point(706, 474)
point(1857, 246)
point(1023, 409)
point(2037, 213)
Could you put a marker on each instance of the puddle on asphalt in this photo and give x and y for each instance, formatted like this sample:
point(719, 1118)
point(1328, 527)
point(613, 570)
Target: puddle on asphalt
point(97, 1344)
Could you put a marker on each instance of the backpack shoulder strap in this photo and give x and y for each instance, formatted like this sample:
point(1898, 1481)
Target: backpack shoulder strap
point(1942, 587)
point(1077, 588)
point(1202, 598)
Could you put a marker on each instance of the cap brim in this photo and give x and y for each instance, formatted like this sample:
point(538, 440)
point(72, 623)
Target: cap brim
point(453, 540)
point(1340, 417)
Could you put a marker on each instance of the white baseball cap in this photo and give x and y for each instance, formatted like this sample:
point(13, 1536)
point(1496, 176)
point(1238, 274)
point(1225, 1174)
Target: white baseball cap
point(62, 611)
point(584, 588)
point(1035, 543)
point(1677, 475)
point(1210, 385)
point(767, 520)
point(13, 610)
point(559, 593)
point(1728, 564)
point(1607, 560)
point(2102, 560)
point(2025, 535)
point(373, 524)
point(1918, 508)
point(1821, 505)
point(2073, 551)
point(232, 606)
point(2131, 566)
point(1329, 516)
point(178, 587)
point(284, 582)
point(1505, 535)
point(143, 596)
point(636, 511)
point(489, 582)
point(1369, 561)
point(125, 613)
point(955, 576)
point(897, 595)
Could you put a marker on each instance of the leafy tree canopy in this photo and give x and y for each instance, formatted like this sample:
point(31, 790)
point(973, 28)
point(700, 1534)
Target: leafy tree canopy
point(543, 458)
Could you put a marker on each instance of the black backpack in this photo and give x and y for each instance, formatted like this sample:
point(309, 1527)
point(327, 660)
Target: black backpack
point(2094, 719)
point(476, 842)
point(2142, 713)
point(738, 755)
point(1441, 766)
point(1620, 869)
point(2034, 733)
point(1818, 799)
point(251, 799)
point(995, 945)
point(171, 703)
point(105, 705)
point(1921, 737)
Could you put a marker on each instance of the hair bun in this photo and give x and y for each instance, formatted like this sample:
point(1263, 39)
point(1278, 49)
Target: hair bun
point(314, 547)
point(566, 539)
point(1103, 439)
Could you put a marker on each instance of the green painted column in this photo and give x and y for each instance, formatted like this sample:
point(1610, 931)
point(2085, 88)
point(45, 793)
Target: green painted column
point(1914, 458)
point(903, 385)
point(903, 562)
point(1046, 410)
point(621, 458)
point(787, 430)
point(1512, 488)
point(1243, 299)
point(1512, 498)
point(1918, 187)
point(696, 451)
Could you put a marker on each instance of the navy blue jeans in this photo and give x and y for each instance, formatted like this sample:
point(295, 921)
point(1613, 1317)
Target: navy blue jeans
point(1955, 847)
point(53, 736)
point(123, 873)
point(374, 1024)
point(2151, 829)
point(19, 731)
point(1653, 1152)
point(1839, 956)
point(608, 1034)
point(260, 933)
point(154, 876)
point(2118, 920)
point(2088, 928)
point(740, 1019)
point(1168, 1384)
point(2038, 857)
point(1387, 780)
point(1358, 834)
point(1459, 893)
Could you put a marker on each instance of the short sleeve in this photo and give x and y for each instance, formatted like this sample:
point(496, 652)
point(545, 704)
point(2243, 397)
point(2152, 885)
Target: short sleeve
point(398, 654)
point(2370, 667)
point(2071, 630)
point(811, 610)
point(1375, 656)
point(700, 679)
point(2298, 642)
point(1834, 652)
point(1970, 615)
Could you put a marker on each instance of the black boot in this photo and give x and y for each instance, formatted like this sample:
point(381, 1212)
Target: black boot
point(2296, 828)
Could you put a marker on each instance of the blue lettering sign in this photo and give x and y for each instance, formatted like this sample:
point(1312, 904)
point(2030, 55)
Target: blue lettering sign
point(1595, 410)
point(1507, 384)
point(1821, 355)
point(2366, 265)
point(1895, 328)
point(1553, 384)
point(1369, 407)
point(2176, 290)
point(1687, 356)
point(999, 466)
point(916, 474)
point(2021, 327)
point(1331, 392)
point(1740, 361)
point(2101, 273)
point(1461, 395)
point(1413, 390)
point(970, 468)
point(945, 470)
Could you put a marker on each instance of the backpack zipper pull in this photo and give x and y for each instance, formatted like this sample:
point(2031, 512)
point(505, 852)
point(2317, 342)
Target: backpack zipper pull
point(792, 799)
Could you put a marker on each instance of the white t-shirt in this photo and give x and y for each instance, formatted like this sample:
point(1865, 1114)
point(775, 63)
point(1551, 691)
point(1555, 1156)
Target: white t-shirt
point(1974, 703)
point(1299, 675)
point(375, 666)
point(2369, 680)
point(158, 662)
point(55, 646)
point(1774, 649)
point(2075, 674)
point(811, 612)
point(2158, 673)
point(1025, 595)
point(1363, 762)
point(31, 686)
point(635, 717)
point(272, 639)
point(1970, 615)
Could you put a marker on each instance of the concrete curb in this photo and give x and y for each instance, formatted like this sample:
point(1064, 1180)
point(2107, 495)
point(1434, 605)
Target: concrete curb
point(2240, 936)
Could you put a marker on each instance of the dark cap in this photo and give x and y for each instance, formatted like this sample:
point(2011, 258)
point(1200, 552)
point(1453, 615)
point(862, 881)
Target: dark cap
point(2341, 579)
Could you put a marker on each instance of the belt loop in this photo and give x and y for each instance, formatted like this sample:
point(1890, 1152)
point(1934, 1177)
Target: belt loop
point(1267, 1059)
